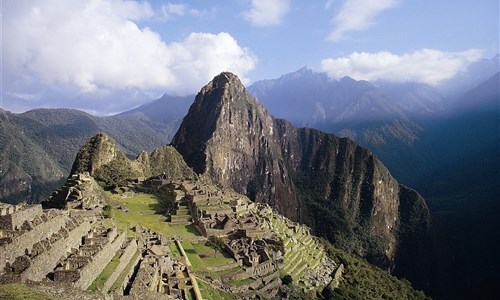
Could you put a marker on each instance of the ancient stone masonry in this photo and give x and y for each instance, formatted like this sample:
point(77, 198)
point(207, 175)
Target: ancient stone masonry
point(30, 250)
point(159, 272)
point(80, 191)
point(127, 252)
point(232, 217)
point(84, 264)
point(42, 262)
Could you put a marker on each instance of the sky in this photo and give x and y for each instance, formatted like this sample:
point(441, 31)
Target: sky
point(108, 56)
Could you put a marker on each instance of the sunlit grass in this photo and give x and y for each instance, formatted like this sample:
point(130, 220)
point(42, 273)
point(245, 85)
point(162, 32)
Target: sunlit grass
point(119, 281)
point(210, 293)
point(17, 291)
point(105, 274)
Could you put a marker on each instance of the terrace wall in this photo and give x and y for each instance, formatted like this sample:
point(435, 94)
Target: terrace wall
point(45, 262)
point(90, 271)
point(25, 241)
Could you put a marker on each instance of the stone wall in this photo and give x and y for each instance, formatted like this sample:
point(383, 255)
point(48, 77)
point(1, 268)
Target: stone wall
point(46, 261)
point(25, 241)
point(14, 217)
point(91, 270)
point(125, 258)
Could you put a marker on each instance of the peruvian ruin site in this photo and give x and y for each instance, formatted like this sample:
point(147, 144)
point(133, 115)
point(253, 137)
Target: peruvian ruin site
point(214, 240)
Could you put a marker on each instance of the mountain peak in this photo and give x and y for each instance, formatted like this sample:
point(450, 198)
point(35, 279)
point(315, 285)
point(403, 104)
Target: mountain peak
point(98, 151)
point(223, 81)
point(307, 175)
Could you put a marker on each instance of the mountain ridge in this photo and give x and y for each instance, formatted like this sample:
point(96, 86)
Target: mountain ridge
point(236, 143)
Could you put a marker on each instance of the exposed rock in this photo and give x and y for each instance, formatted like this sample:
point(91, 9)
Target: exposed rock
point(337, 187)
point(98, 151)
point(103, 160)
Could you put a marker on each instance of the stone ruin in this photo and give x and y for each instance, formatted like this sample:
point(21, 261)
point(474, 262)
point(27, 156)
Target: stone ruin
point(32, 240)
point(231, 217)
point(159, 272)
point(80, 192)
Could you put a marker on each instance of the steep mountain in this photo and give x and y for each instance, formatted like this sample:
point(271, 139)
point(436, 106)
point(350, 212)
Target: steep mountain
point(103, 160)
point(378, 116)
point(475, 74)
point(101, 157)
point(337, 187)
point(37, 148)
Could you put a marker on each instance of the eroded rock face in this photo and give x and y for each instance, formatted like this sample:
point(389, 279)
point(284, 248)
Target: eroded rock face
point(98, 151)
point(337, 187)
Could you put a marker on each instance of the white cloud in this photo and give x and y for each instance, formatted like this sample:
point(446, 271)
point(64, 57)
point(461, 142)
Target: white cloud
point(97, 46)
point(267, 12)
point(355, 15)
point(425, 66)
point(170, 11)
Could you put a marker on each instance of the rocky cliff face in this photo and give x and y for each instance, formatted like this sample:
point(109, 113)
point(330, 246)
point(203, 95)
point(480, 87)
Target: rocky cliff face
point(98, 151)
point(337, 187)
point(100, 156)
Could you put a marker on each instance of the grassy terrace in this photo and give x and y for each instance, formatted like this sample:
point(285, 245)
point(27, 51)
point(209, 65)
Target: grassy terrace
point(16, 291)
point(299, 256)
point(105, 274)
point(211, 293)
point(141, 211)
point(119, 281)
point(203, 258)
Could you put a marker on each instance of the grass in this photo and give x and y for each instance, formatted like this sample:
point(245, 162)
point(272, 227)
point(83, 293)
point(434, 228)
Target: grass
point(196, 262)
point(242, 282)
point(174, 250)
point(141, 213)
point(210, 293)
point(119, 281)
point(16, 291)
point(228, 272)
point(203, 257)
point(105, 274)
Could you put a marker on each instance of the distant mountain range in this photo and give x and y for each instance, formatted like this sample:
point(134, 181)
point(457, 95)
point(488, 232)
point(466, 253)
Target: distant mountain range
point(442, 141)
point(37, 148)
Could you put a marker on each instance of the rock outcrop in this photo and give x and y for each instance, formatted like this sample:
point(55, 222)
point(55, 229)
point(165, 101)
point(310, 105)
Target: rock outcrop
point(335, 186)
point(102, 159)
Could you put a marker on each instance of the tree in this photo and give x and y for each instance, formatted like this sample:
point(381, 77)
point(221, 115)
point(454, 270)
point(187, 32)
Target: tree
point(216, 243)
point(166, 199)
point(287, 279)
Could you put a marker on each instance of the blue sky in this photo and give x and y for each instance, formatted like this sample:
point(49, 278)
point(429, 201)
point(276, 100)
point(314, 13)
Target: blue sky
point(109, 56)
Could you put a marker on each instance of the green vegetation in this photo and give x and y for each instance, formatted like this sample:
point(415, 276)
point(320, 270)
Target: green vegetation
point(117, 173)
point(105, 274)
point(202, 257)
point(362, 280)
point(287, 279)
point(142, 212)
point(119, 281)
point(166, 199)
point(106, 211)
point(210, 293)
point(216, 243)
point(17, 291)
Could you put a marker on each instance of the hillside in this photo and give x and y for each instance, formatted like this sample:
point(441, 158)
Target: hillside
point(38, 147)
point(379, 116)
point(338, 188)
point(293, 262)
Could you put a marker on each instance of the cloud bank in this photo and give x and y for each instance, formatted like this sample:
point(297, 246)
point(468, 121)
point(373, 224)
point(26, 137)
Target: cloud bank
point(267, 12)
point(424, 66)
point(355, 15)
point(97, 46)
